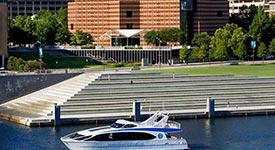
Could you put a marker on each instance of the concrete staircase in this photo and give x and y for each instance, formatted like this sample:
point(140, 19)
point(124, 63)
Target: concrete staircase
point(96, 95)
point(163, 92)
point(40, 103)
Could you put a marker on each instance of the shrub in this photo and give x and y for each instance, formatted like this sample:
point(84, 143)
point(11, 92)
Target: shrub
point(32, 65)
point(18, 64)
point(88, 47)
point(133, 47)
point(15, 63)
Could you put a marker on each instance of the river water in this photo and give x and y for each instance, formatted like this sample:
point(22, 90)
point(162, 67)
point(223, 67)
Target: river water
point(240, 133)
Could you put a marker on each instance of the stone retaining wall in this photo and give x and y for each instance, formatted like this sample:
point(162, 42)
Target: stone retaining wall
point(13, 86)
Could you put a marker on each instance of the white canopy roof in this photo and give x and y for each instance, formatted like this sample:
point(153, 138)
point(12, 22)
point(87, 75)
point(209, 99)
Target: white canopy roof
point(128, 32)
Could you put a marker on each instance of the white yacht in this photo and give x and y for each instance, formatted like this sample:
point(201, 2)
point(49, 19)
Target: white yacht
point(153, 133)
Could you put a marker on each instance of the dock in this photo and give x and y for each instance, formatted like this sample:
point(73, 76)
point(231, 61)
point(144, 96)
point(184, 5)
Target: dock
point(103, 97)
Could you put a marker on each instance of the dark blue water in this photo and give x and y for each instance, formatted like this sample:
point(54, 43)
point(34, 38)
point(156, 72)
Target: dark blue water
point(241, 133)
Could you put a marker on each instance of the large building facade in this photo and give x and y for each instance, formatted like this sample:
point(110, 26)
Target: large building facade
point(236, 5)
point(31, 7)
point(99, 17)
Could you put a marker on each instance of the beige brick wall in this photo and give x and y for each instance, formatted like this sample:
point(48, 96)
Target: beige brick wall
point(97, 17)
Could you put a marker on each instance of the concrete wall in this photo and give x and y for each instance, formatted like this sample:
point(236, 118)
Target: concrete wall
point(13, 86)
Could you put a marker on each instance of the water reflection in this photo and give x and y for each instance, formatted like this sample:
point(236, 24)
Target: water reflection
point(201, 134)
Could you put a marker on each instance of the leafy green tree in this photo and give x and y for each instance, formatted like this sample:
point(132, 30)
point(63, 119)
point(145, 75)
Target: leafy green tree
point(184, 54)
point(260, 29)
point(272, 46)
point(240, 50)
point(45, 27)
point(227, 42)
point(219, 45)
point(245, 17)
point(81, 38)
point(237, 43)
point(166, 35)
point(201, 43)
point(171, 35)
point(20, 30)
point(151, 37)
point(62, 35)
point(262, 51)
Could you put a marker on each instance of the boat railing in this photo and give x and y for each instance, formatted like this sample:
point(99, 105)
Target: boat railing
point(150, 121)
point(173, 124)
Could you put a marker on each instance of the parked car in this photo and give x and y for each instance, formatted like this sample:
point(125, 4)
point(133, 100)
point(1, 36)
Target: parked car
point(270, 57)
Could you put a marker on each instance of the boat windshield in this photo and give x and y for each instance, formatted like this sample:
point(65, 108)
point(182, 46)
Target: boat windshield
point(119, 125)
point(116, 125)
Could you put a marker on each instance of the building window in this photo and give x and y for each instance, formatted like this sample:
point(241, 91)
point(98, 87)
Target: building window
point(129, 14)
point(72, 26)
point(129, 26)
point(219, 13)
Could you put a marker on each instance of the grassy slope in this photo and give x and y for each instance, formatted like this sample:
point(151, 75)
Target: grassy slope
point(80, 62)
point(239, 70)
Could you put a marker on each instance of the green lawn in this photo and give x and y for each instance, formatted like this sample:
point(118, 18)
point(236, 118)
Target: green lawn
point(61, 62)
point(263, 70)
point(58, 61)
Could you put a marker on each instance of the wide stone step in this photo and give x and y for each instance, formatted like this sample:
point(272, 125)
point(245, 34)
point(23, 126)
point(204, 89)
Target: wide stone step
point(29, 108)
point(167, 95)
point(179, 90)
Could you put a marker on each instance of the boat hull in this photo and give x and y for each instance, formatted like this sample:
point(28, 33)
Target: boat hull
point(177, 144)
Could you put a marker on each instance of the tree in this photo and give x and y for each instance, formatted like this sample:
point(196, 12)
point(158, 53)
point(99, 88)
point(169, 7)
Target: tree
point(184, 54)
point(260, 29)
point(62, 34)
point(171, 35)
point(45, 27)
point(219, 44)
point(272, 46)
point(240, 51)
point(245, 17)
point(226, 40)
point(81, 38)
point(201, 43)
point(166, 35)
point(237, 43)
point(151, 37)
point(262, 51)
point(20, 30)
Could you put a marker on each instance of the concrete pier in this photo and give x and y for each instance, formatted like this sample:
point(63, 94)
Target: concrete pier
point(210, 107)
point(136, 110)
point(56, 115)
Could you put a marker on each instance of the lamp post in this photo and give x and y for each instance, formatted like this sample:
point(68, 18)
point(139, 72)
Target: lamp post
point(159, 52)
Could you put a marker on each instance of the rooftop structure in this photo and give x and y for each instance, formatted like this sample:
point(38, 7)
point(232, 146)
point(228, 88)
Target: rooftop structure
point(270, 8)
point(235, 5)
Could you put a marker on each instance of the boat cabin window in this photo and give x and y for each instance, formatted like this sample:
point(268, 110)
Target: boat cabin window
point(129, 126)
point(122, 136)
point(118, 125)
point(75, 135)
